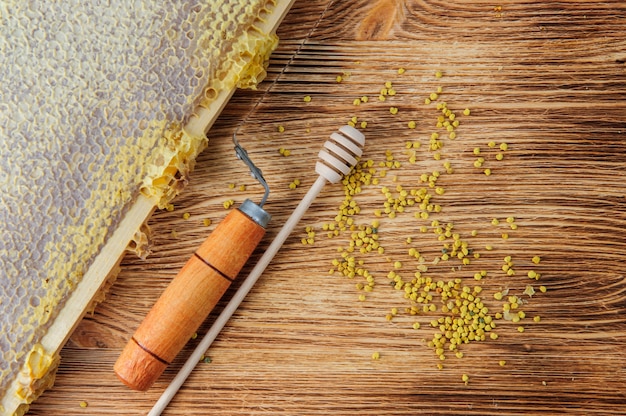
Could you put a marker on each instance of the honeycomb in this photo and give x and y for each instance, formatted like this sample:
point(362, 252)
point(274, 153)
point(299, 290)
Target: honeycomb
point(93, 99)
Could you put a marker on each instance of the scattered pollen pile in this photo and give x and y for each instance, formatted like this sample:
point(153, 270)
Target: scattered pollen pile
point(443, 275)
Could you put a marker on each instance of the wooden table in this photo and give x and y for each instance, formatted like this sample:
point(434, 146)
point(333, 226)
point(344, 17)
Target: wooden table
point(546, 78)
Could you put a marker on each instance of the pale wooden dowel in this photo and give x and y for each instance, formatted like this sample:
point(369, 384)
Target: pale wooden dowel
point(238, 297)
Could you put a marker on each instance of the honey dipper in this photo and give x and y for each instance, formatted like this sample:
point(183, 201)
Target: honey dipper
point(202, 281)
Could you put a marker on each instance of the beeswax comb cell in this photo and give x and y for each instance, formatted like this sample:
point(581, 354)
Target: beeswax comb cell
point(103, 109)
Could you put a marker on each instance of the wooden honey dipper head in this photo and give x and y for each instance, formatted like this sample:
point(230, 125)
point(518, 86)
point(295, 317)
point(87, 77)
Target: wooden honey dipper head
point(340, 153)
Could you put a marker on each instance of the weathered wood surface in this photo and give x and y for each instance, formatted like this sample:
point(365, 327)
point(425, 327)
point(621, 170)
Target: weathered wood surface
point(547, 78)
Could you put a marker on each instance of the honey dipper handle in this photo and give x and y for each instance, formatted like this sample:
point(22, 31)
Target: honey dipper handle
point(188, 300)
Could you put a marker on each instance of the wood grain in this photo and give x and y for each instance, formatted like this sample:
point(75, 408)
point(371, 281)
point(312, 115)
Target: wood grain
point(546, 78)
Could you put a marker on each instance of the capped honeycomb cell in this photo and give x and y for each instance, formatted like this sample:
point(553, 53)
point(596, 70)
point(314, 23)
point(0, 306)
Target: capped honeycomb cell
point(94, 100)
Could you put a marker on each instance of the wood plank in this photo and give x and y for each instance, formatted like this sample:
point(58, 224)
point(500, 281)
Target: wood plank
point(546, 78)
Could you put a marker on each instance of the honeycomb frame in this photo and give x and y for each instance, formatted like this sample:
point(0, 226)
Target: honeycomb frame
point(86, 145)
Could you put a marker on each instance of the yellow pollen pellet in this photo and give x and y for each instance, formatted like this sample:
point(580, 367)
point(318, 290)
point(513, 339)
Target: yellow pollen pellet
point(504, 146)
point(491, 144)
point(307, 98)
point(206, 222)
point(502, 363)
point(520, 329)
point(536, 259)
point(363, 124)
point(412, 124)
point(393, 110)
point(499, 156)
point(452, 135)
point(339, 78)
point(487, 171)
point(376, 356)
point(356, 101)
point(495, 221)
point(465, 378)
point(438, 74)
point(401, 71)
point(416, 325)
point(280, 129)
point(186, 216)
point(364, 99)
point(433, 96)
point(466, 112)
point(543, 289)
point(83, 404)
point(493, 335)
point(537, 318)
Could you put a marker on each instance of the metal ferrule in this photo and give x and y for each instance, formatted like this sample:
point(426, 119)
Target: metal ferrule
point(255, 213)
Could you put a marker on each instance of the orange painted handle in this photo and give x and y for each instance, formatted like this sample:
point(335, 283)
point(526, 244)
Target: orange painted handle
point(188, 300)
